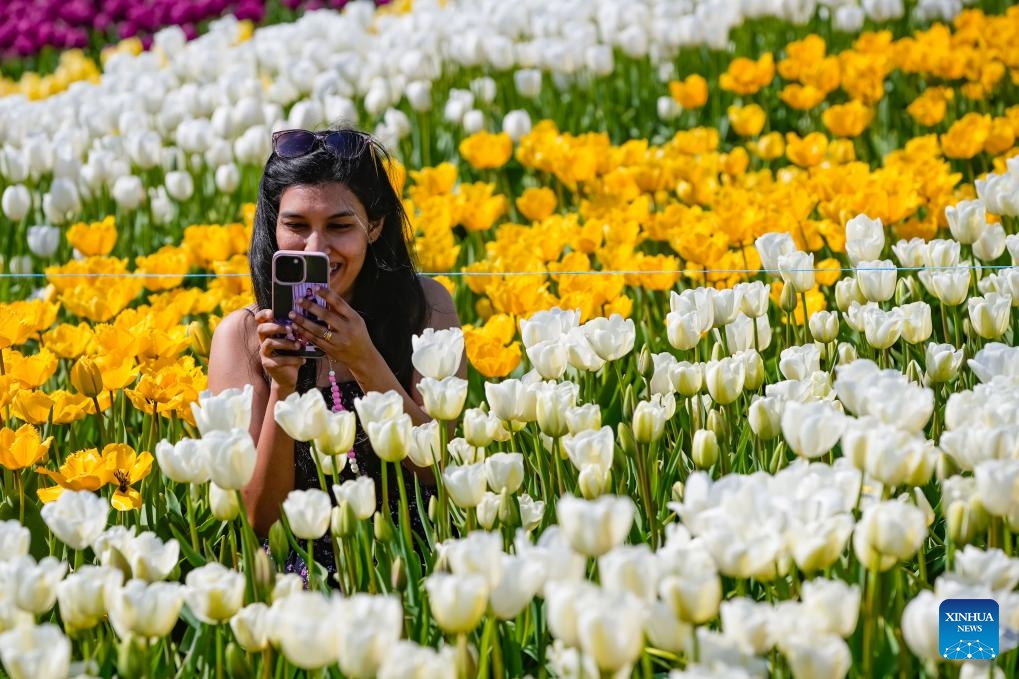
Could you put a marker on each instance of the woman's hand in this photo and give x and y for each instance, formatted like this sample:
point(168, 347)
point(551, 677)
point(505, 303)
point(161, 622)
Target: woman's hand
point(281, 369)
point(344, 338)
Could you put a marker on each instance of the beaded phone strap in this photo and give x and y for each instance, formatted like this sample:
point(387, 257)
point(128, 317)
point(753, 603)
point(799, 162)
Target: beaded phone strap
point(334, 391)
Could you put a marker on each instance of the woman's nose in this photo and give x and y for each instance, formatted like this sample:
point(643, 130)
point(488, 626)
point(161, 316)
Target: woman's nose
point(317, 242)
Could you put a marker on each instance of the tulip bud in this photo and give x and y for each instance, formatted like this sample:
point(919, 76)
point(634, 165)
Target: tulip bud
point(86, 377)
point(342, 520)
point(624, 436)
point(824, 326)
point(755, 374)
point(592, 482)
point(945, 467)
point(433, 507)
point(237, 662)
point(509, 510)
point(677, 491)
point(383, 527)
point(264, 573)
point(765, 417)
point(959, 519)
point(198, 335)
point(279, 546)
point(645, 364)
point(132, 657)
point(914, 372)
point(629, 402)
point(716, 352)
point(847, 353)
point(787, 301)
point(398, 575)
point(718, 423)
point(903, 292)
point(705, 448)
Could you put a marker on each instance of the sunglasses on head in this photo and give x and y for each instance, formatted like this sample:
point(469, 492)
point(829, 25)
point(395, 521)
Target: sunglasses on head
point(297, 143)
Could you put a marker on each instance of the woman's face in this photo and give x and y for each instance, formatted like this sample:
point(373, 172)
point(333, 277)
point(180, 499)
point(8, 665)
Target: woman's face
point(327, 218)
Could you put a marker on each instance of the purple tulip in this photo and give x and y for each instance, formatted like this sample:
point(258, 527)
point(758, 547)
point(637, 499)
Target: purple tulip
point(102, 22)
point(127, 29)
point(292, 4)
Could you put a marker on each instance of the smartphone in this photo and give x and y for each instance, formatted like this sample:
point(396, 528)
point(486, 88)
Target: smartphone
point(298, 275)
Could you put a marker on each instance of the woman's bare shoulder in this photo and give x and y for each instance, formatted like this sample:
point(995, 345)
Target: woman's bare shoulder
point(233, 357)
point(442, 311)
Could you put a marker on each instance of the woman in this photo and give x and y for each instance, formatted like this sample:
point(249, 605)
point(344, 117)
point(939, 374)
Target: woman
point(327, 192)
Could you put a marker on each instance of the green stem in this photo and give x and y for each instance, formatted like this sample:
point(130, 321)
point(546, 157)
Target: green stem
point(192, 528)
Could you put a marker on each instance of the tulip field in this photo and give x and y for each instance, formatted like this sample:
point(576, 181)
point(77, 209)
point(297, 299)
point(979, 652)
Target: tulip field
point(739, 292)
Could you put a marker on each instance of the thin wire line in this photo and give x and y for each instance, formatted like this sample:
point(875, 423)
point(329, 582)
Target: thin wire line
point(602, 272)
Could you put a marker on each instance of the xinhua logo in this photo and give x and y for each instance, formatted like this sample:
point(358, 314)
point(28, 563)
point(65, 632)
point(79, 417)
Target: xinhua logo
point(968, 629)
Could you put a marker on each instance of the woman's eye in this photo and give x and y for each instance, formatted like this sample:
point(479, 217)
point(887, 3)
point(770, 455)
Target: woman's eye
point(340, 225)
point(295, 226)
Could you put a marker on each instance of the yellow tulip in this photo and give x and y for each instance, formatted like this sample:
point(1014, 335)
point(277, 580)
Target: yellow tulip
point(94, 240)
point(484, 150)
point(22, 448)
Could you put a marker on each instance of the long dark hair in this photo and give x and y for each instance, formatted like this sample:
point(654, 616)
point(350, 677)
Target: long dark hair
point(387, 291)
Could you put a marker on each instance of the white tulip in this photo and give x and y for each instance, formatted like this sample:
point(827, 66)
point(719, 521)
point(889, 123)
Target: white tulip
point(610, 629)
point(466, 484)
point(338, 436)
point(184, 462)
point(16, 202)
point(888, 532)
point(438, 353)
point(798, 362)
point(481, 428)
point(307, 512)
point(811, 429)
point(296, 625)
point(76, 517)
point(145, 610)
point(180, 185)
point(223, 503)
point(304, 416)
point(989, 315)
point(967, 220)
point(250, 627)
point(360, 494)
point(724, 379)
point(865, 239)
point(230, 409)
point(214, 592)
point(82, 595)
point(407, 660)
point(231, 457)
point(504, 472)
point(516, 124)
point(553, 400)
point(128, 192)
point(14, 540)
point(419, 95)
point(43, 240)
point(593, 527)
point(424, 444)
point(824, 655)
point(521, 580)
point(390, 439)
point(457, 601)
point(773, 245)
point(35, 652)
point(876, 279)
point(797, 270)
point(228, 178)
point(32, 586)
point(367, 631)
point(443, 398)
point(527, 82)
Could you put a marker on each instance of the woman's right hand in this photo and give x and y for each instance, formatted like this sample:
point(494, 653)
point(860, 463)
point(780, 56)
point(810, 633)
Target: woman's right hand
point(281, 369)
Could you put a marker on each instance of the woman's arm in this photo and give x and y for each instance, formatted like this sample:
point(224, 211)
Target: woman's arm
point(234, 361)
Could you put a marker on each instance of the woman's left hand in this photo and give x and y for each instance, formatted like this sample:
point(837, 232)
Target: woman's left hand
point(344, 338)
